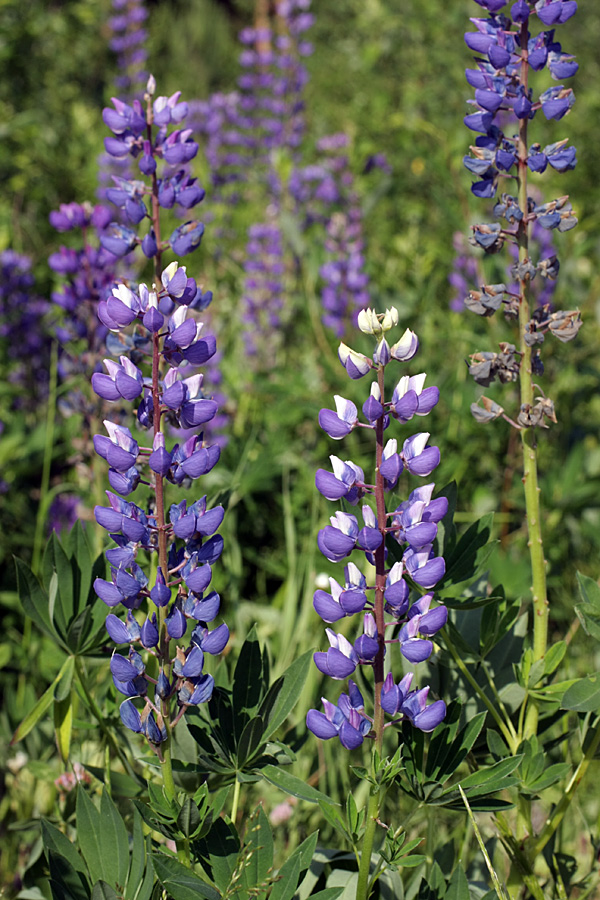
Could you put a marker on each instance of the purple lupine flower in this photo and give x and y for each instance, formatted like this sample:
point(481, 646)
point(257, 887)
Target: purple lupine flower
point(168, 393)
point(346, 720)
point(413, 524)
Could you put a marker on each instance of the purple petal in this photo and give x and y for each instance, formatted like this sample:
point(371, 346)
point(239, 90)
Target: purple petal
point(320, 725)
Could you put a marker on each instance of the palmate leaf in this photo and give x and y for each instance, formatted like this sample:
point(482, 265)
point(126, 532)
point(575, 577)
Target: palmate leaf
point(448, 750)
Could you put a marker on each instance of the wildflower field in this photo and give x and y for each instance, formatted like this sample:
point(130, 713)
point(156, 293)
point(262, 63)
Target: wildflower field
point(299, 450)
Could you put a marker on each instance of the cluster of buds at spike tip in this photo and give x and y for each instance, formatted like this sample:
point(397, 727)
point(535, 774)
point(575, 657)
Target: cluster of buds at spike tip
point(144, 134)
point(399, 544)
point(503, 154)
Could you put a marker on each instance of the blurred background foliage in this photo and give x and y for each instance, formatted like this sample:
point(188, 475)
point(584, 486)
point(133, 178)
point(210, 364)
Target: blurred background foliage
point(390, 75)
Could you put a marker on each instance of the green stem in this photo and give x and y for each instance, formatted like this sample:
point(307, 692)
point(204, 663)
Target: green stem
point(530, 475)
point(166, 769)
point(236, 800)
point(506, 728)
point(47, 464)
point(363, 887)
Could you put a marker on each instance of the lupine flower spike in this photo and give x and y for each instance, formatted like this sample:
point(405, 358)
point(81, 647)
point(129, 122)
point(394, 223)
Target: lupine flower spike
point(402, 593)
point(156, 322)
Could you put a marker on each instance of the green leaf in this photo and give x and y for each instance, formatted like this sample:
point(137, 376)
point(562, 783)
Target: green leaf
point(219, 851)
point(306, 850)
point(257, 850)
point(113, 840)
point(331, 893)
point(55, 841)
point(40, 708)
point(334, 817)
point(137, 862)
point(458, 886)
point(491, 778)
point(497, 620)
point(352, 814)
point(410, 861)
point(180, 882)
point(56, 563)
point(79, 550)
point(583, 696)
point(88, 827)
point(250, 740)
point(446, 755)
point(63, 688)
point(554, 656)
point(287, 782)
point(63, 726)
point(469, 556)
point(287, 880)
point(549, 777)
point(291, 685)
point(249, 676)
point(67, 883)
point(103, 891)
point(188, 819)
point(588, 611)
point(34, 600)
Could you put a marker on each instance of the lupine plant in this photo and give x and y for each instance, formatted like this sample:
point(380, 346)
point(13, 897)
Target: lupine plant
point(506, 155)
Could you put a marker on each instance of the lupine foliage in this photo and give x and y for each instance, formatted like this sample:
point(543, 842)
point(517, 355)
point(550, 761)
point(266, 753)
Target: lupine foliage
point(155, 752)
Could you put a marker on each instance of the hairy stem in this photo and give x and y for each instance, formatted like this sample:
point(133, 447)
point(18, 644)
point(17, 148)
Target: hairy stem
point(530, 475)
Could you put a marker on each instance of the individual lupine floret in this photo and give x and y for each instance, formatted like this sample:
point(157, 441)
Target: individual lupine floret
point(346, 720)
point(345, 482)
point(342, 601)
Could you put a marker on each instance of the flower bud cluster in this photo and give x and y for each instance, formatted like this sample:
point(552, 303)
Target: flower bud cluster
point(145, 134)
point(401, 598)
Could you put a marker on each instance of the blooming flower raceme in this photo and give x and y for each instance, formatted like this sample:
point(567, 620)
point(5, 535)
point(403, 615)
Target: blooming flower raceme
point(397, 597)
point(167, 614)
